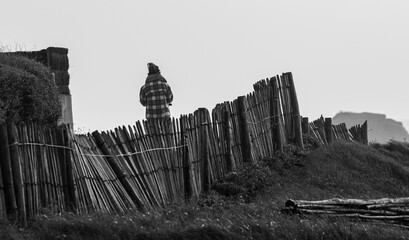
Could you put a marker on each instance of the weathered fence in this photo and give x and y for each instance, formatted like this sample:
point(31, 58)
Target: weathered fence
point(325, 132)
point(149, 165)
point(36, 169)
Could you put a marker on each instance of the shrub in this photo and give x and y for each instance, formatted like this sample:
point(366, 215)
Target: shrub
point(282, 161)
point(310, 142)
point(27, 91)
point(247, 182)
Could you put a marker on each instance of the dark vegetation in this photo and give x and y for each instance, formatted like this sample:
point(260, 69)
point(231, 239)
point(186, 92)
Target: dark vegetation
point(246, 204)
point(27, 91)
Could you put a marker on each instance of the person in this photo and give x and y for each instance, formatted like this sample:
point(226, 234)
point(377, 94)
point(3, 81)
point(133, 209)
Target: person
point(156, 95)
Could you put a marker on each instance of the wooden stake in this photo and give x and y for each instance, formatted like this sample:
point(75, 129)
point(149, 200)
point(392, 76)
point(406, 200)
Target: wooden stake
point(244, 130)
point(364, 132)
point(7, 171)
point(275, 113)
point(296, 112)
point(67, 139)
point(63, 165)
point(17, 174)
point(226, 126)
point(328, 130)
point(185, 161)
point(204, 148)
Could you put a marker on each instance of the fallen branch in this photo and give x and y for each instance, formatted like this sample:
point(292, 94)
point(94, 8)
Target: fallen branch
point(385, 209)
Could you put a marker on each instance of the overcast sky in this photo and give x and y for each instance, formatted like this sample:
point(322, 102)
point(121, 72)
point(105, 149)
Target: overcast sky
point(350, 55)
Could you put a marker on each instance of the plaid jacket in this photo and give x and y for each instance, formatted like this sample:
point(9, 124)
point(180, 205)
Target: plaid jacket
point(156, 95)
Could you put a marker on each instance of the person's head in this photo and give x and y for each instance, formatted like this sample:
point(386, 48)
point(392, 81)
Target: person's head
point(153, 69)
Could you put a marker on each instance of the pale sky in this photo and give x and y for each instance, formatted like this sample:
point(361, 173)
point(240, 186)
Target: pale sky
point(350, 55)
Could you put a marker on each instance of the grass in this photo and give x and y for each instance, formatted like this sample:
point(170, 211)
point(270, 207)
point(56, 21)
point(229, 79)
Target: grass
point(247, 203)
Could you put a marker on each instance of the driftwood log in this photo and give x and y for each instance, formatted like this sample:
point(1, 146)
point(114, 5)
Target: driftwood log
point(391, 210)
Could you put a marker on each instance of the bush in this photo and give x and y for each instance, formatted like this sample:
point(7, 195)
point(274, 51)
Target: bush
point(247, 182)
point(285, 161)
point(310, 142)
point(27, 91)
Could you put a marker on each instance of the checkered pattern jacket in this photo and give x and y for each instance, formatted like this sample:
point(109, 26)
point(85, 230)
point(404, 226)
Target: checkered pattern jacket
point(156, 96)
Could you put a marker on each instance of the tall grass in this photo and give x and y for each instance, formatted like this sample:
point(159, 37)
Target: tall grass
point(246, 204)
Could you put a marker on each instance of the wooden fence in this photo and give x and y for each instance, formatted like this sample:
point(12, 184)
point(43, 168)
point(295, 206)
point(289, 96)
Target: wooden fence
point(149, 165)
point(325, 132)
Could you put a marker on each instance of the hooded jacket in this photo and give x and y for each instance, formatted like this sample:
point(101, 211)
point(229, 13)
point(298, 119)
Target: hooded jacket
point(156, 95)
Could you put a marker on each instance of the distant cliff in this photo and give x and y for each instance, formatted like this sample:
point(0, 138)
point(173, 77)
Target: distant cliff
point(380, 128)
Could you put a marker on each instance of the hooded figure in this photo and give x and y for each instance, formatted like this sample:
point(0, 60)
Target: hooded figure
point(156, 94)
